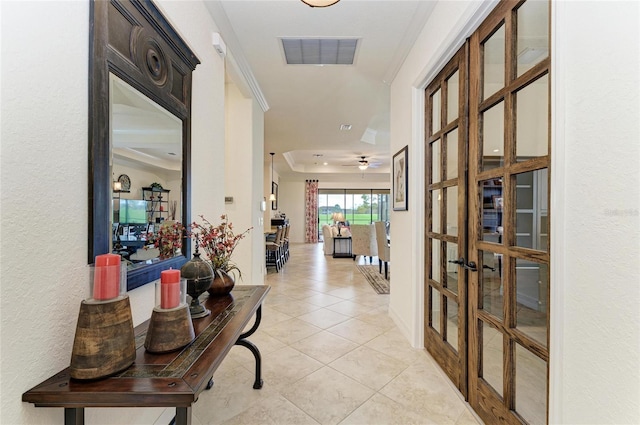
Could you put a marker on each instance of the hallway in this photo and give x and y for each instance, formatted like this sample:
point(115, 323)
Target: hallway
point(331, 355)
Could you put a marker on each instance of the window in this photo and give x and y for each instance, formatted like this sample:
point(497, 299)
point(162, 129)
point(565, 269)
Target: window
point(359, 206)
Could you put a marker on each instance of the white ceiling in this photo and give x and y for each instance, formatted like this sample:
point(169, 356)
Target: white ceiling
point(308, 103)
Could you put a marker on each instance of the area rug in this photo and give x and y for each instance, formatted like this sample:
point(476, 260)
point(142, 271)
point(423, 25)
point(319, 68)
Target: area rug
point(375, 278)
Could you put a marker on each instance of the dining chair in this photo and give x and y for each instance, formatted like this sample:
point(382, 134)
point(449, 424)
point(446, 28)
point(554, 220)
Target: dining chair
point(273, 251)
point(363, 241)
point(384, 250)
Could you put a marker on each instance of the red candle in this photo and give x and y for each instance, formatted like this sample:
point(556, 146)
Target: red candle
point(169, 288)
point(106, 278)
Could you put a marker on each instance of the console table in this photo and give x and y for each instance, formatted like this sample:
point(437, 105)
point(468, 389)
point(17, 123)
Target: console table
point(342, 247)
point(173, 379)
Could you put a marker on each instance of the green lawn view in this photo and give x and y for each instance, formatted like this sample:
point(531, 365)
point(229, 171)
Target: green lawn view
point(351, 218)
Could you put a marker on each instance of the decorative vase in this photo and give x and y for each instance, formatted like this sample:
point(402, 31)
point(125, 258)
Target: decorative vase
point(222, 283)
point(198, 274)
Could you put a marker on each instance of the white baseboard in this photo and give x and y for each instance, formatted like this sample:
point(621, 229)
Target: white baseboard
point(404, 329)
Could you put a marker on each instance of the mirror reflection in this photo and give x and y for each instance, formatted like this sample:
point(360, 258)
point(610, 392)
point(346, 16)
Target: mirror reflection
point(146, 165)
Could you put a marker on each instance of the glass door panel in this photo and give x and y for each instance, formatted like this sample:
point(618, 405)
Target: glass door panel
point(492, 208)
point(436, 111)
point(492, 284)
point(360, 206)
point(493, 137)
point(436, 199)
point(530, 386)
point(531, 209)
point(494, 62)
point(452, 268)
point(435, 162)
point(532, 290)
point(532, 120)
point(453, 93)
point(452, 323)
point(451, 195)
point(533, 34)
point(492, 357)
point(435, 260)
point(434, 310)
point(452, 155)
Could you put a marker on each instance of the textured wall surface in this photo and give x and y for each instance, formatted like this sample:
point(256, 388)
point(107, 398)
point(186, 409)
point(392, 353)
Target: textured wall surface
point(44, 195)
point(598, 241)
point(44, 188)
point(441, 30)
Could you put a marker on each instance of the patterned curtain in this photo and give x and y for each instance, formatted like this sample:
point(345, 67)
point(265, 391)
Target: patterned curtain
point(311, 211)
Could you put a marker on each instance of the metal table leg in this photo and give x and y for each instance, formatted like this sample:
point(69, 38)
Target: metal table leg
point(242, 340)
point(74, 416)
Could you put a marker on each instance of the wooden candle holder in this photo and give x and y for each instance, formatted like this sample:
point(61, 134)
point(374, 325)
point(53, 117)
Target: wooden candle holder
point(169, 330)
point(104, 343)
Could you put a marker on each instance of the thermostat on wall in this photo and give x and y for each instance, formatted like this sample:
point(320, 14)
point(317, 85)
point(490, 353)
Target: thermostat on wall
point(228, 199)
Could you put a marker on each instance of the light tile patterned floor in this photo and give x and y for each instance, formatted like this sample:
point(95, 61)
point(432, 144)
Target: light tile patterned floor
point(331, 355)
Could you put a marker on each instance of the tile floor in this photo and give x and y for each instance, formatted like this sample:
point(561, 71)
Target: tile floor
point(331, 355)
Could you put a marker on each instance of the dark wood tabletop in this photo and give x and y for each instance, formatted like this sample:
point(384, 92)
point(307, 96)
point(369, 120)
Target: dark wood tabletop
point(161, 380)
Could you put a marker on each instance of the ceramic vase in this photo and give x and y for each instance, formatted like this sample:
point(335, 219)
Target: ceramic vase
point(222, 283)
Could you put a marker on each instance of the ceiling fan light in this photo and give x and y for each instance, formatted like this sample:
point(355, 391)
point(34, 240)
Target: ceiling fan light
point(320, 3)
point(363, 166)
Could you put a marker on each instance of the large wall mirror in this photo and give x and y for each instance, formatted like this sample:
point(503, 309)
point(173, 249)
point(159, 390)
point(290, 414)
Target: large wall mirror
point(139, 145)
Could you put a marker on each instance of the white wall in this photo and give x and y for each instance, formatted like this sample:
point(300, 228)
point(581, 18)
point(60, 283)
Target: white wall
point(44, 187)
point(595, 204)
point(595, 319)
point(291, 202)
point(44, 196)
point(241, 179)
point(437, 42)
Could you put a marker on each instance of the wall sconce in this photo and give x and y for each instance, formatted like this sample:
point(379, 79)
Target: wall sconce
point(117, 186)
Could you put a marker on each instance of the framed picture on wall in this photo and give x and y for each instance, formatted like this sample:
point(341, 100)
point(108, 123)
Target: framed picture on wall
point(274, 190)
point(400, 180)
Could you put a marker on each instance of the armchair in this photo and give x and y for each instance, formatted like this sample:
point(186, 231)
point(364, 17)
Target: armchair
point(363, 239)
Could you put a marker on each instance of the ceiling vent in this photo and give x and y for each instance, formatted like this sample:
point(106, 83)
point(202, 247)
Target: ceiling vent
point(319, 51)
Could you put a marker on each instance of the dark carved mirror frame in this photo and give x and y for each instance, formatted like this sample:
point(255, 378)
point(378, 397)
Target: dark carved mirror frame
point(132, 40)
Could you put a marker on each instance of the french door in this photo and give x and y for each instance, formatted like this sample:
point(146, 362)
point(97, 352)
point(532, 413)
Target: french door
point(446, 290)
point(505, 260)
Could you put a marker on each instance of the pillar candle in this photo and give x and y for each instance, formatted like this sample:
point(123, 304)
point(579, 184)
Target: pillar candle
point(106, 278)
point(169, 288)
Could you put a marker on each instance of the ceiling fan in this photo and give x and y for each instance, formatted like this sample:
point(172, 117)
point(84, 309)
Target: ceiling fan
point(363, 164)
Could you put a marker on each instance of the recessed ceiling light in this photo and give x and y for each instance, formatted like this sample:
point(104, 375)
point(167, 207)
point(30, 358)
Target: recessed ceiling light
point(325, 163)
point(345, 127)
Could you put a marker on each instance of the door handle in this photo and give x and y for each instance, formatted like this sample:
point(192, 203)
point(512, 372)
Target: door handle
point(469, 266)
